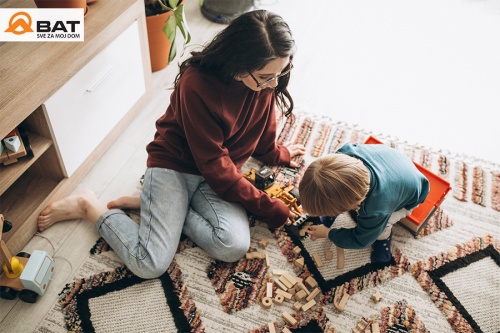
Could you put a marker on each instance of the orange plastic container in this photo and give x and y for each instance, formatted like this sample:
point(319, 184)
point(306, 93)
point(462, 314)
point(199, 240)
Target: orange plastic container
point(439, 187)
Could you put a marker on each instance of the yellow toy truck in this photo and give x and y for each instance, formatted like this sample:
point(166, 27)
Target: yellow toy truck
point(264, 180)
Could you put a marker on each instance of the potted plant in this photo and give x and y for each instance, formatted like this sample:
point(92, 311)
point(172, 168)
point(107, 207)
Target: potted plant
point(163, 17)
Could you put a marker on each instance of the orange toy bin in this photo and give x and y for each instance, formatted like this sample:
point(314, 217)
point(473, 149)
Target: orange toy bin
point(439, 187)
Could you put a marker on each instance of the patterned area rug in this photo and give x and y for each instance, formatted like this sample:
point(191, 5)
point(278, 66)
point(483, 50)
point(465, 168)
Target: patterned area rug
point(445, 279)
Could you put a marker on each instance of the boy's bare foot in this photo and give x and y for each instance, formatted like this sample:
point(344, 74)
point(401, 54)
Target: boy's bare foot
point(128, 202)
point(83, 205)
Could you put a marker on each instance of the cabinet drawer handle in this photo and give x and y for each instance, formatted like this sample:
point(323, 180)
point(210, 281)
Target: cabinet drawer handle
point(100, 80)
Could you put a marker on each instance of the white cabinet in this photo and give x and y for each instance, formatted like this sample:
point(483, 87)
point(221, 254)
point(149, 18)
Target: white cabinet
point(87, 107)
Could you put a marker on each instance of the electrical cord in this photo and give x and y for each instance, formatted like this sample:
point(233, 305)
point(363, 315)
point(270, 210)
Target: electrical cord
point(54, 256)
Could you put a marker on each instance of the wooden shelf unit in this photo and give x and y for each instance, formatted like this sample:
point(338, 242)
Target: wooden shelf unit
point(31, 74)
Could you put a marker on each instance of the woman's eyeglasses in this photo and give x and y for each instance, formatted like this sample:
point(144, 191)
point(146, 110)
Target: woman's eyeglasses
point(260, 84)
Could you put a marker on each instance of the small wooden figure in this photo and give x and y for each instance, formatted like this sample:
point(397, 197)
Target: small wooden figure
point(263, 243)
point(376, 297)
point(299, 262)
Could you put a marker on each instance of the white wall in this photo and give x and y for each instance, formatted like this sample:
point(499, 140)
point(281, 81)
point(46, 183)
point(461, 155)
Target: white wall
point(424, 71)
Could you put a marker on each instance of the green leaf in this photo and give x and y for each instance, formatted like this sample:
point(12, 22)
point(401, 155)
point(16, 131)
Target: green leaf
point(170, 31)
point(164, 5)
point(173, 3)
point(180, 18)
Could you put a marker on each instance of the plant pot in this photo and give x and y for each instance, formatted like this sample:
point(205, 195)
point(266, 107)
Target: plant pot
point(159, 45)
point(62, 4)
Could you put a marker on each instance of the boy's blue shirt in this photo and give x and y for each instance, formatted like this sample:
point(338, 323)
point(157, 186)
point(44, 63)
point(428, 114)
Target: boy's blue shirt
point(395, 183)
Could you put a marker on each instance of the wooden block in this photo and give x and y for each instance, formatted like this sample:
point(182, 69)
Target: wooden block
point(292, 291)
point(286, 330)
point(281, 285)
point(317, 260)
point(291, 278)
point(268, 262)
point(340, 258)
point(376, 297)
point(304, 288)
point(269, 289)
point(285, 295)
point(341, 305)
point(308, 305)
point(298, 279)
point(296, 250)
point(299, 262)
point(311, 282)
point(255, 255)
point(271, 328)
point(267, 302)
point(300, 295)
point(286, 282)
point(279, 298)
point(328, 254)
point(297, 305)
point(278, 271)
point(288, 318)
point(263, 243)
point(313, 294)
point(375, 327)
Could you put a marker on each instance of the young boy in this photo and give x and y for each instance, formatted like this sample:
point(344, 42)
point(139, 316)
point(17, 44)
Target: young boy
point(376, 184)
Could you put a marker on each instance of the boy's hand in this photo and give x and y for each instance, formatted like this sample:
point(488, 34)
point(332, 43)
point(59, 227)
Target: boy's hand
point(317, 231)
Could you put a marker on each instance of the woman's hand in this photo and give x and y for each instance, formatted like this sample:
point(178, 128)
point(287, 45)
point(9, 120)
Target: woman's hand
point(291, 218)
point(295, 149)
point(318, 231)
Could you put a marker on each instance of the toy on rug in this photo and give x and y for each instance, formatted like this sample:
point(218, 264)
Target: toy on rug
point(25, 274)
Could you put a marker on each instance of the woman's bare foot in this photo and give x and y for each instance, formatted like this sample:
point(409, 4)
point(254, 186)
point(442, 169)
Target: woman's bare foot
point(83, 205)
point(130, 202)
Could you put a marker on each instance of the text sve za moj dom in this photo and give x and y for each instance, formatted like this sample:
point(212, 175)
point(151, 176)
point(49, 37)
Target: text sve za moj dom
point(45, 30)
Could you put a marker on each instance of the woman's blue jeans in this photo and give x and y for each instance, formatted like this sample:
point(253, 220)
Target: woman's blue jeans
point(173, 203)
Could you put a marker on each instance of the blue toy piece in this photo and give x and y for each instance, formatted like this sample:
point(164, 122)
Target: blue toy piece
point(37, 272)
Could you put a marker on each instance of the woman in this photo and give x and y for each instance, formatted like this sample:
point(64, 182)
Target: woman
point(221, 112)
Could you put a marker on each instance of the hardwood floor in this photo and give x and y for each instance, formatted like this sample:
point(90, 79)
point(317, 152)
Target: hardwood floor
point(316, 87)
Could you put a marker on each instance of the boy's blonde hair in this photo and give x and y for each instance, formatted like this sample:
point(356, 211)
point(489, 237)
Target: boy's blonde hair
point(334, 184)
